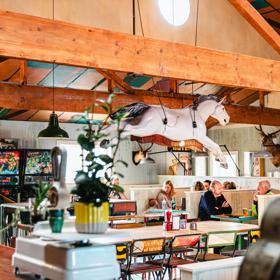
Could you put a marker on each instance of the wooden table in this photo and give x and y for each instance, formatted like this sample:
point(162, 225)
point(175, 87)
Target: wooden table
point(234, 218)
point(114, 236)
point(6, 269)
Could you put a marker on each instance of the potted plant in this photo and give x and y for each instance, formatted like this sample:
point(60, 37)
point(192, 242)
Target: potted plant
point(41, 193)
point(91, 189)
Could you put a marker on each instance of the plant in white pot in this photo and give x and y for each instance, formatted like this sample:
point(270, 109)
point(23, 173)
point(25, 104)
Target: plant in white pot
point(92, 190)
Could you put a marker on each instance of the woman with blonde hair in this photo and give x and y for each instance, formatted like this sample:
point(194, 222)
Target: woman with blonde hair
point(166, 194)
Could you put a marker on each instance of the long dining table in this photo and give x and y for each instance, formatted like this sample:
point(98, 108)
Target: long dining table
point(115, 236)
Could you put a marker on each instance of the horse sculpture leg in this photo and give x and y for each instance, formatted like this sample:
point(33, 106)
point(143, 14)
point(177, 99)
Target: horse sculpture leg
point(215, 149)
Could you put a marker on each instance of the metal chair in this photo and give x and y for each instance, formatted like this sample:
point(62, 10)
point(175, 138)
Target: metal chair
point(139, 261)
point(179, 250)
point(218, 240)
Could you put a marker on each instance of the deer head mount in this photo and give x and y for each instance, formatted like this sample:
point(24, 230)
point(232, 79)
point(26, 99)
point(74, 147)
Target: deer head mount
point(137, 156)
point(270, 146)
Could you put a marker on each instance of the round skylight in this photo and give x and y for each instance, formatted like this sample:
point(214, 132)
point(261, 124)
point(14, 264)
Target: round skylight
point(175, 12)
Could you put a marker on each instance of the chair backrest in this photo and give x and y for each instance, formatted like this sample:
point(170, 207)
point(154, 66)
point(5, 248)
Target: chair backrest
point(218, 239)
point(121, 250)
point(118, 208)
point(184, 242)
point(147, 247)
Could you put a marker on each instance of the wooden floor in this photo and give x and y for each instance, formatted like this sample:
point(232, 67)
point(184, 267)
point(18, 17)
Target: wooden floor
point(6, 269)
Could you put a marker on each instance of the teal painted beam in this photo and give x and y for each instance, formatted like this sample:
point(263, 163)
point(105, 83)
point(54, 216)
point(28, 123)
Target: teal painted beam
point(136, 80)
point(3, 112)
point(259, 4)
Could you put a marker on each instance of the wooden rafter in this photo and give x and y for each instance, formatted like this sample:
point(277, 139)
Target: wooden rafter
point(258, 22)
point(173, 86)
point(23, 72)
point(130, 53)
point(71, 100)
point(241, 95)
point(111, 75)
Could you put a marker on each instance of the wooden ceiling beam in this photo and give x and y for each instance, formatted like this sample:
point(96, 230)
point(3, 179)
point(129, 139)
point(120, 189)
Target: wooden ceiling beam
point(21, 97)
point(91, 47)
point(258, 22)
point(253, 115)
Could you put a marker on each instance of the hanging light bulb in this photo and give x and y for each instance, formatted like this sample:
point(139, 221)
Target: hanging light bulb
point(182, 143)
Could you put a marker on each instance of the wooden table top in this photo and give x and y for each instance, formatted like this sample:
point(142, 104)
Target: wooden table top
point(113, 236)
point(234, 218)
point(6, 269)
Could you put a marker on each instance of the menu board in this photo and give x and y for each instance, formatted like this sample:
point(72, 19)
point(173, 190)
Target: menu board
point(9, 162)
point(38, 163)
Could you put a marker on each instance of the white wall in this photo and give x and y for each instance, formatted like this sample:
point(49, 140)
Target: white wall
point(27, 133)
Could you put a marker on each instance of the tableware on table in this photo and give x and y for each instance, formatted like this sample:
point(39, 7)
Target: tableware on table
point(56, 219)
point(245, 211)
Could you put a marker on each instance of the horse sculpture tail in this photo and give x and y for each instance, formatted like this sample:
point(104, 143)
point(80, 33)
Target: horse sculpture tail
point(131, 111)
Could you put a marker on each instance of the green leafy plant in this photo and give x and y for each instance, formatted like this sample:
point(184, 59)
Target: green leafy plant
point(90, 188)
point(41, 193)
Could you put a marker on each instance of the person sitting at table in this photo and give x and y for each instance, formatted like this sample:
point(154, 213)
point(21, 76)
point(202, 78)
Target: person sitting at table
point(166, 194)
point(117, 195)
point(198, 186)
point(262, 189)
point(206, 185)
point(152, 204)
point(213, 202)
point(229, 185)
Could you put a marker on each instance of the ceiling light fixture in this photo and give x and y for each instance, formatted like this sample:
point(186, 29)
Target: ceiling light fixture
point(53, 130)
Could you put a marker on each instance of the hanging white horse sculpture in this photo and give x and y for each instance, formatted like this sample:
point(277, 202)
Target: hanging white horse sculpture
point(177, 124)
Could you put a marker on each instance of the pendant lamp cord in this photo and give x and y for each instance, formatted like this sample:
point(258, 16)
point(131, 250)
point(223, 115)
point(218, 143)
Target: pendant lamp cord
point(164, 120)
point(53, 68)
point(194, 124)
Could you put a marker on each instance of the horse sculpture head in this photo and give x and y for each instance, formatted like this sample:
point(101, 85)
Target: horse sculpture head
point(220, 113)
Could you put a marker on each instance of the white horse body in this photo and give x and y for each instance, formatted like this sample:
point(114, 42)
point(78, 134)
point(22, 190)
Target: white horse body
point(180, 126)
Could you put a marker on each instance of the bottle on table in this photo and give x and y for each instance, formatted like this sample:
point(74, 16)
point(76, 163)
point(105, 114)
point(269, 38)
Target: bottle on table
point(173, 204)
point(164, 204)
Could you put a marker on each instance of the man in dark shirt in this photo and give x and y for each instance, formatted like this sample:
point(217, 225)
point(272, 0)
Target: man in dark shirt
point(213, 202)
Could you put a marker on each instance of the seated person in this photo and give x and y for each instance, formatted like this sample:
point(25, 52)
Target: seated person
point(198, 186)
point(213, 202)
point(117, 195)
point(263, 189)
point(166, 194)
point(152, 204)
point(229, 185)
point(206, 185)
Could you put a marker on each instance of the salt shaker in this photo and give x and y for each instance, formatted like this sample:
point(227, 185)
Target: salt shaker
point(193, 226)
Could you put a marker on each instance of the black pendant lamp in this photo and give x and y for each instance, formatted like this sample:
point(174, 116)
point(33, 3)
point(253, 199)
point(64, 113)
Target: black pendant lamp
point(53, 130)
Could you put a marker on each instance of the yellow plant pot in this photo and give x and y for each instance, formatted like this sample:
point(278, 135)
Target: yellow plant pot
point(91, 219)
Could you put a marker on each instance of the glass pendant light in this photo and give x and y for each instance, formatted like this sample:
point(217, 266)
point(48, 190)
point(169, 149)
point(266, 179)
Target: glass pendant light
point(53, 130)
point(147, 160)
point(262, 153)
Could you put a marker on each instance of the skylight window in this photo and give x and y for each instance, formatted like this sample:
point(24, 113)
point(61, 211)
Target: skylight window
point(175, 12)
